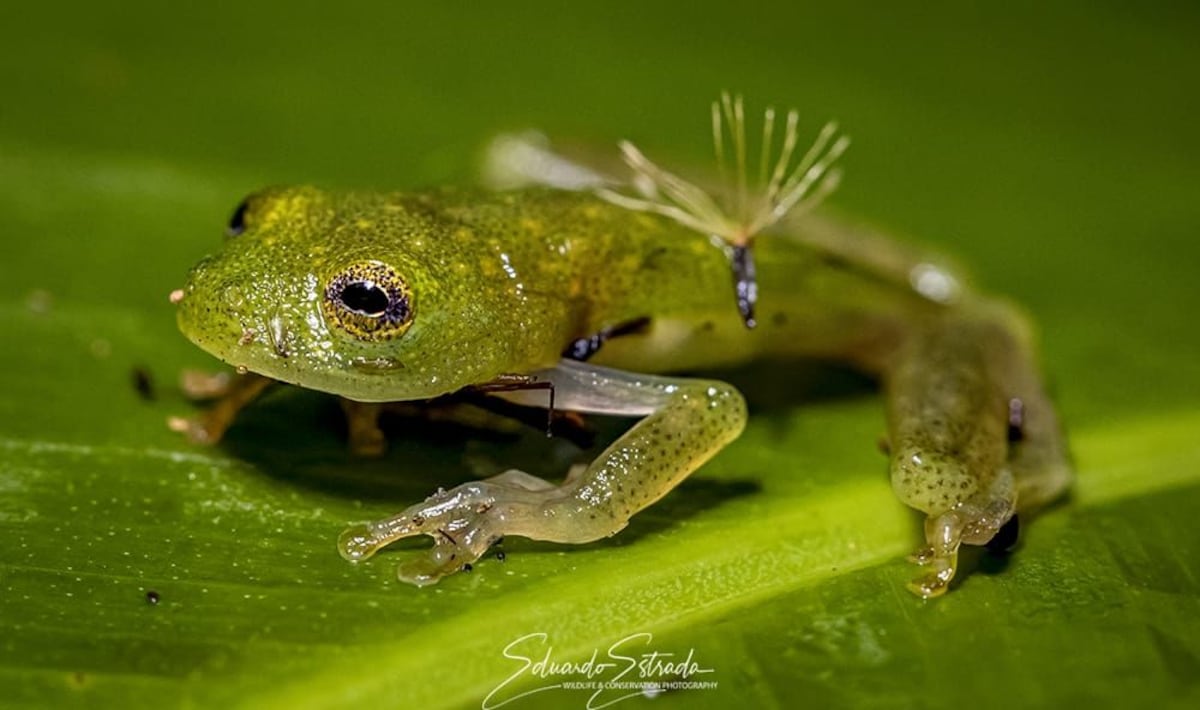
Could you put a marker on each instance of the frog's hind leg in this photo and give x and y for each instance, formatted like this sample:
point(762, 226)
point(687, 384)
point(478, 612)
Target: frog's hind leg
point(857, 245)
point(974, 437)
point(684, 423)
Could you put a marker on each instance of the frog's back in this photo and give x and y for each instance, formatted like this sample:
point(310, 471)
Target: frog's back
point(601, 267)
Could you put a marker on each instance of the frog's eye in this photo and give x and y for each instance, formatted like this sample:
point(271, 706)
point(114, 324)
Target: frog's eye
point(370, 301)
point(237, 221)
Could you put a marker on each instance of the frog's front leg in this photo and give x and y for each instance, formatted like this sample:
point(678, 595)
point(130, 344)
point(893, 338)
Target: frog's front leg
point(231, 393)
point(684, 423)
point(974, 437)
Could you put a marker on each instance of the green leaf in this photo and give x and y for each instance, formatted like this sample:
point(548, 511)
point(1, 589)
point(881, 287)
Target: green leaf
point(1052, 149)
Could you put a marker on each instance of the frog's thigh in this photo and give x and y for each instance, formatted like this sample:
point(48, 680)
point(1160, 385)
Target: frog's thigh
point(685, 422)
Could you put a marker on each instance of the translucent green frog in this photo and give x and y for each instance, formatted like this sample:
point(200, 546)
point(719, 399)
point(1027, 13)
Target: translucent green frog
point(569, 287)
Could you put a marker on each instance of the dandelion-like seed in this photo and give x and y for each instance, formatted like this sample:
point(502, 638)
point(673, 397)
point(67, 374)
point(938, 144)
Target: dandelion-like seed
point(786, 183)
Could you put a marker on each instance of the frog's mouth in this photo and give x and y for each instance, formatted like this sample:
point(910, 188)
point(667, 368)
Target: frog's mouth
point(263, 345)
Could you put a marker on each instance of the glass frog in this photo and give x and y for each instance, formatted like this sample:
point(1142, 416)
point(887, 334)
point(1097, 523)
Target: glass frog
point(572, 284)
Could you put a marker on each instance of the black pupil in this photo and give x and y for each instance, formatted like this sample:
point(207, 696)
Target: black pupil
point(365, 298)
point(237, 222)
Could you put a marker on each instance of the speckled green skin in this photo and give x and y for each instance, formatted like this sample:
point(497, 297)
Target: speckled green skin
point(502, 283)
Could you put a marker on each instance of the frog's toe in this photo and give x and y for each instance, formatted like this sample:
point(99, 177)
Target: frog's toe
point(358, 542)
point(201, 386)
point(198, 430)
point(936, 582)
point(366, 440)
point(921, 556)
point(943, 535)
point(444, 559)
point(976, 521)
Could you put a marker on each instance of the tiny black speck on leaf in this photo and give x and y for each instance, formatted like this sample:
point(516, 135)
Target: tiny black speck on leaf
point(143, 384)
point(152, 598)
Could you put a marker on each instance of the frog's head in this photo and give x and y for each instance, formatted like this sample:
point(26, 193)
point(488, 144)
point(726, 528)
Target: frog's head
point(346, 293)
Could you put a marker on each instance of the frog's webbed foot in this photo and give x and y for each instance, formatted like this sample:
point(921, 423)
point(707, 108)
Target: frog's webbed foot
point(463, 522)
point(684, 422)
point(231, 394)
point(967, 522)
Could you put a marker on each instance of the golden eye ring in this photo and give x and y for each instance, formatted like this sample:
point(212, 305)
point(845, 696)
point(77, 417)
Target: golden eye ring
point(369, 301)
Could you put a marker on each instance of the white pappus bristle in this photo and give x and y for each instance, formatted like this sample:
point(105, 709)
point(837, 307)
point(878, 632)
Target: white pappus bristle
point(784, 184)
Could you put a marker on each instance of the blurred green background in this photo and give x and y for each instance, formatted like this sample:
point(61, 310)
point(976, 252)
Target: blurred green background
point(1052, 147)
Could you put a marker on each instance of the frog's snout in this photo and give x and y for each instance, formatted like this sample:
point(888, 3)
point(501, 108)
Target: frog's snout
point(256, 321)
point(213, 313)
